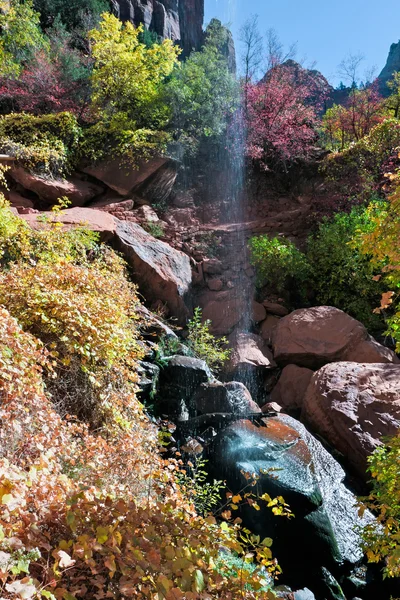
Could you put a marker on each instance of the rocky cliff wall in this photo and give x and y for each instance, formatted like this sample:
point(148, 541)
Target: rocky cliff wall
point(179, 20)
point(392, 65)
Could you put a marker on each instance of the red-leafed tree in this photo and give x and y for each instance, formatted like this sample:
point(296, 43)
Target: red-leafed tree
point(281, 116)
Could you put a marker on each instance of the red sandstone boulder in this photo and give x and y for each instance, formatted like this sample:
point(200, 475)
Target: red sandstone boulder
point(268, 327)
point(259, 312)
point(250, 350)
point(274, 308)
point(163, 274)
point(224, 309)
point(19, 201)
point(95, 220)
point(122, 178)
point(313, 337)
point(291, 388)
point(353, 406)
point(77, 191)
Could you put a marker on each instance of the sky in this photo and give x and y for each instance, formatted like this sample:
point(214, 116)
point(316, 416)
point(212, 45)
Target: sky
point(325, 31)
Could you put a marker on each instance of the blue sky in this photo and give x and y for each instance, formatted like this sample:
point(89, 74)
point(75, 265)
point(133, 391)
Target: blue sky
point(325, 30)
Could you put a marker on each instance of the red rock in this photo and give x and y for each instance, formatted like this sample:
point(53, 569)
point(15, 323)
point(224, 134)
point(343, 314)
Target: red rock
point(114, 204)
point(212, 266)
point(77, 191)
point(19, 201)
point(271, 407)
point(250, 350)
point(353, 406)
point(312, 337)
point(182, 216)
point(215, 284)
point(223, 309)
point(268, 327)
point(147, 214)
point(95, 220)
point(123, 179)
point(370, 351)
point(163, 274)
point(275, 309)
point(259, 312)
point(291, 388)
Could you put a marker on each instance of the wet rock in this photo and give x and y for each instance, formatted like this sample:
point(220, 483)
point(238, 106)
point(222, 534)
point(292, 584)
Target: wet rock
point(179, 380)
point(313, 337)
point(123, 179)
point(148, 378)
point(215, 285)
point(271, 407)
point(224, 309)
point(259, 312)
point(157, 188)
point(311, 482)
point(212, 266)
point(162, 273)
point(77, 191)
point(291, 388)
point(249, 351)
point(305, 594)
point(353, 406)
point(268, 327)
point(95, 220)
point(217, 397)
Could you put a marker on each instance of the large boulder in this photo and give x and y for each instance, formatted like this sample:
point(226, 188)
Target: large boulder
point(179, 380)
point(313, 337)
point(78, 191)
point(288, 461)
point(124, 178)
point(250, 362)
point(216, 397)
point(95, 220)
point(224, 309)
point(163, 274)
point(353, 406)
point(291, 388)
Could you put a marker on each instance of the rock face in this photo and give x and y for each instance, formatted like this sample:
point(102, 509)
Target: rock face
point(179, 20)
point(392, 65)
point(291, 387)
point(353, 406)
point(124, 180)
point(163, 274)
point(313, 337)
point(79, 192)
point(95, 220)
point(309, 479)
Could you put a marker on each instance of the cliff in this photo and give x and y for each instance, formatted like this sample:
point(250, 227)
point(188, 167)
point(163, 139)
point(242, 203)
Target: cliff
point(179, 20)
point(392, 65)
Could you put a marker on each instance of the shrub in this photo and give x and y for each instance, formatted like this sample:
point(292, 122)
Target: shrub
point(342, 274)
point(279, 264)
point(382, 537)
point(204, 345)
point(47, 145)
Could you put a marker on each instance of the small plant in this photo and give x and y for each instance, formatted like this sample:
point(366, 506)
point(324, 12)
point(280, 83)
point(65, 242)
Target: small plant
point(155, 229)
point(193, 482)
point(205, 345)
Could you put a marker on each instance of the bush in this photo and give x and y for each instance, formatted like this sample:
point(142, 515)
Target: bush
point(204, 345)
point(382, 537)
point(47, 145)
point(279, 264)
point(342, 274)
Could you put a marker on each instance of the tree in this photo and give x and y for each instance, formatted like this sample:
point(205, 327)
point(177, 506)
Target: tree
point(20, 36)
point(253, 49)
point(393, 102)
point(281, 120)
point(202, 92)
point(74, 13)
point(349, 69)
point(127, 86)
point(352, 121)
